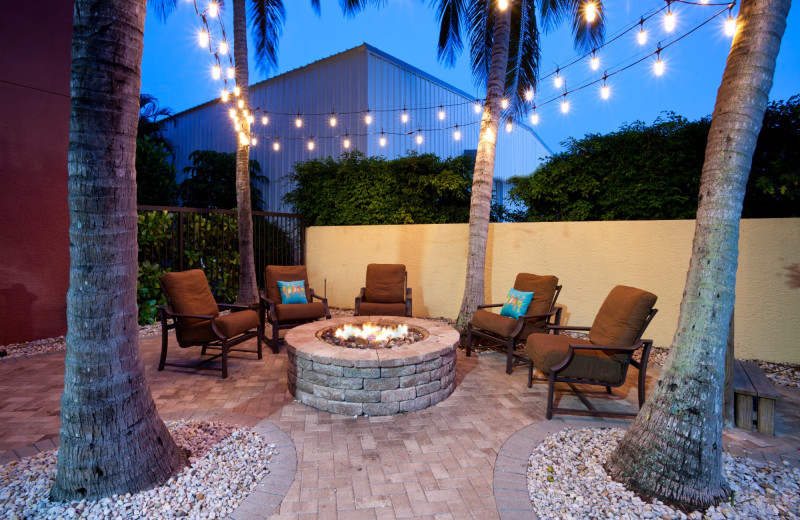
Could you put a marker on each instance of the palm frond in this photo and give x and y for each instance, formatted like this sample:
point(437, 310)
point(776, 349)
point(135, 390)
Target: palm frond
point(587, 36)
point(527, 53)
point(452, 16)
point(163, 8)
point(266, 26)
point(316, 7)
point(481, 36)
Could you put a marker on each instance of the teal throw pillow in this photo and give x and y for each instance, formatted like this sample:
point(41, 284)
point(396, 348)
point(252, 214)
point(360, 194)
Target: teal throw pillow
point(516, 303)
point(293, 292)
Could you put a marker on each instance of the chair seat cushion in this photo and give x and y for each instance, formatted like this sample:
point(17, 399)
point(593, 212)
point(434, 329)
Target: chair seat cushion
point(501, 325)
point(548, 350)
point(300, 311)
point(382, 309)
point(230, 325)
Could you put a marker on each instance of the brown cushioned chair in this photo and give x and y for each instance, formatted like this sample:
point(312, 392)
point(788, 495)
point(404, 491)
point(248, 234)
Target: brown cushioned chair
point(287, 315)
point(197, 322)
point(603, 359)
point(385, 293)
point(504, 332)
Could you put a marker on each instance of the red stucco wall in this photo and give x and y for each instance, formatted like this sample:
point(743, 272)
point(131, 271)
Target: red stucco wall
point(35, 39)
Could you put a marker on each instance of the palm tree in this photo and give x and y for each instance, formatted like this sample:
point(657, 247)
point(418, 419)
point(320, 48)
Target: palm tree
point(151, 121)
point(112, 440)
point(673, 449)
point(266, 26)
point(504, 52)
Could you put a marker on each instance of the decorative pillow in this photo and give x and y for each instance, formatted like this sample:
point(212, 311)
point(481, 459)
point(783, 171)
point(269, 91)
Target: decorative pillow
point(516, 303)
point(293, 292)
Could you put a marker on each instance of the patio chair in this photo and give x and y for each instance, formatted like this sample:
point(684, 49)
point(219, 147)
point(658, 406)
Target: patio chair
point(288, 302)
point(602, 359)
point(197, 322)
point(385, 292)
point(504, 332)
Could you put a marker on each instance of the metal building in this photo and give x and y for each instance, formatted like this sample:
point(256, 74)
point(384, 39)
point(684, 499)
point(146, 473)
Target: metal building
point(350, 86)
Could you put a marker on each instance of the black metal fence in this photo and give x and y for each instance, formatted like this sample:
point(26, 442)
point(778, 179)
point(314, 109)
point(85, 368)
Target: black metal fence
point(177, 239)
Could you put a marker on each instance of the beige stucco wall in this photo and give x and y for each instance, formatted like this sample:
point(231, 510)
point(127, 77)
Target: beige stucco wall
point(589, 258)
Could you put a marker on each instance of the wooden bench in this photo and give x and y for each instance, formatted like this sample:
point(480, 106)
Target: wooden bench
point(755, 397)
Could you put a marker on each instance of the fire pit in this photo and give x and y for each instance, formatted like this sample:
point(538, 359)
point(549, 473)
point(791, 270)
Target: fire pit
point(371, 378)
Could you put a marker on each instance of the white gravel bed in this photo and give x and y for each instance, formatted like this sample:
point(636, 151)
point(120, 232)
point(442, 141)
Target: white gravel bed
point(226, 464)
point(566, 480)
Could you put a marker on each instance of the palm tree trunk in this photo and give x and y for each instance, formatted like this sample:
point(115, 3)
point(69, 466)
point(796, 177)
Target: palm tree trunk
point(482, 179)
point(248, 291)
point(673, 449)
point(112, 440)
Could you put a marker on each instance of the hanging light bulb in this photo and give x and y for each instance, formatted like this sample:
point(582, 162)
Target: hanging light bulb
point(264, 120)
point(590, 12)
point(529, 95)
point(730, 23)
point(368, 118)
point(223, 47)
point(605, 92)
point(502, 4)
point(332, 120)
point(254, 141)
point(243, 140)
point(558, 80)
point(213, 9)
point(504, 103)
point(231, 72)
point(441, 113)
point(419, 138)
point(404, 116)
point(298, 122)
point(241, 103)
point(237, 90)
point(641, 37)
point(346, 143)
point(232, 113)
point(251, 119)
point(456, 134)
point(237, 126)
point(669, 19)
point(509, 126)
point(216, 72)
point(564, 105)
point(382, 140)
point(658, 66)
point(478, 107)
point(225, 96)
point(310, 146)
point(276, 146)
point(203, 38)
point(534, 117)
point(595, 61)
point(245, 114)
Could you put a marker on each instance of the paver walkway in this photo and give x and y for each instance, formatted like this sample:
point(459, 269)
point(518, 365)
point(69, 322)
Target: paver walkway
point(435, 463)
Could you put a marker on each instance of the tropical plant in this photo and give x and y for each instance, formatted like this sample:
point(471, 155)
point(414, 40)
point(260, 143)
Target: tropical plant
point(504, 53)
point(112, 439)
point(155, 173)
point(360, 190)
point(673, 449)
point(210, 181)
point(152, 117)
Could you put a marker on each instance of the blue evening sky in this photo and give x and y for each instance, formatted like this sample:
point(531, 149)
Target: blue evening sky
point(177, 70)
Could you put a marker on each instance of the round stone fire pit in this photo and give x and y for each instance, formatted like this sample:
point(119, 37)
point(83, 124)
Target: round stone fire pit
point(382, 381)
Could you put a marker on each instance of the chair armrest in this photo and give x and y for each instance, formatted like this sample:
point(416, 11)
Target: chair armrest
point(558, 328)
point(490, 305)
point(602, 348)
point(234, 306)
point(324, 302)
point(269, 305)
point(544, 315)
point(169, 313)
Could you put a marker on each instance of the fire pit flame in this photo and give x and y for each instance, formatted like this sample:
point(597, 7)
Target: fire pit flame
point(371, 335)
point(371, 332)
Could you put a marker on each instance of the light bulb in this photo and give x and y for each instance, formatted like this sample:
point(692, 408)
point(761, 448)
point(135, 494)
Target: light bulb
point(333, 121)
point(502, 4)
point(478, 108)
point(590, 11)
point(669, 21)
point(232, 113)
point(368, 119)
point(276, 146)
point(457, 135)
point(237, 126)
point(225, 96)
point(298, 122)
point(535, 118)
point(346, 143)
point(509, 127)
point(223, 47)
point(529, 95)
point(264, 120)
point(203, 37)
point(658, 67)
point(504, 103)
point(243, 139)
point(382, 141)
point(564, 106)
point(251, 119)
point(595, 63)
point(216, 72)
point(310, 145)
point(231, 72)
point(489, 135)
point(245, 113)
point(605, 92)
point(441, 115)
point(404, 117)
point(241, 103)
point(254, 141)
point(213, 9)
point(558, 81)
point(730, 26)
point(642, 37)
point(236, 90)
point(419, 138)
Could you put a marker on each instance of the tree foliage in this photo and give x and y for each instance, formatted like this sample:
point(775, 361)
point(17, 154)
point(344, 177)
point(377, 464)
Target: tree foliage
point(643, 172)
point(212, 181)
point(155, 174)
point(360, 190)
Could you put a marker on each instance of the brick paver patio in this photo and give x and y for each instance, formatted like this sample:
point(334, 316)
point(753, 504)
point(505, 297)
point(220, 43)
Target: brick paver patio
point(439, 463)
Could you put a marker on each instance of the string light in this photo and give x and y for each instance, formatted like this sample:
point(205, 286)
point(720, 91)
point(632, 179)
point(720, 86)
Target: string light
point(310, 145)
point(419, 138)
point(216, 72)
point(264, 120)
point(231, 72)
point(298, 122)
point(243, 139)
point(232, 113)
point(251, 119)
point(276, 146)
point(404, 116)
point(478, 107)
point(223, 47)
point(441, 113)
point(203, 38)
point(595, 62)
point(509, 126)
point(642, 35)
point(254, 141)
point(382, 140)
point(368, 118)
point(558, 80)
point(669, 19)
point(605, 93)
point(237, 90)
point(529, 95)
point(456, 134)
point(730, 23)
point(564, 105)
point(240, 103)
point(658, 67)
point(504, 103)
point(333, 120)
point(534, 117)
point(346, 143)
point(225, 96)
point(502, 4)
point(213, 10)
point(590, 11)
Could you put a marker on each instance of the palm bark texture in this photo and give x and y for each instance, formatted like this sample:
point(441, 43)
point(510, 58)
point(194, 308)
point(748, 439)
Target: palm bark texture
point(112, 439)
point(673, 449)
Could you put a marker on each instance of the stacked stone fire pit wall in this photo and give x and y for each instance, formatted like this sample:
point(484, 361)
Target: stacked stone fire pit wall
point(372, 381)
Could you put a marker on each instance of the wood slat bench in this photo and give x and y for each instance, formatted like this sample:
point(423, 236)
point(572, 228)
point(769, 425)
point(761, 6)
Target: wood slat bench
point(751, 387)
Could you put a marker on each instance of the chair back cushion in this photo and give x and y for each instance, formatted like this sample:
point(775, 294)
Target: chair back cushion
point(622, 316)
point(386, 283)
point(284, 273)
point(543, 289)
point(188, 293)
